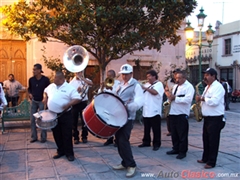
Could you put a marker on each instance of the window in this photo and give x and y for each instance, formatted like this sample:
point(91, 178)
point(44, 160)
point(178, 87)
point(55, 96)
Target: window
point(139, 73)
point(227, 46)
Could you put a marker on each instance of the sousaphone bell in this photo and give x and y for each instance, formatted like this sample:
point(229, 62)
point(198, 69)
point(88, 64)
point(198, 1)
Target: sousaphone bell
point(76, 58)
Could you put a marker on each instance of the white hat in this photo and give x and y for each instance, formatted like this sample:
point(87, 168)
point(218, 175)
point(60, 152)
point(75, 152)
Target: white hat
point(126, 69)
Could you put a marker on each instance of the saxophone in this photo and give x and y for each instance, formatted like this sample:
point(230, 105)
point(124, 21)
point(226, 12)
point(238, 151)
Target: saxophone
point(196, 108)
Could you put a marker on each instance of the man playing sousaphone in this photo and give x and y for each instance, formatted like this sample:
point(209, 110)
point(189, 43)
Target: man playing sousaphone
point(60, 97)
point(82, 84)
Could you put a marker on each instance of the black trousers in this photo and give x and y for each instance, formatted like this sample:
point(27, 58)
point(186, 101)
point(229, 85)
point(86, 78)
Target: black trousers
point(124, 148)
point(78, 108)
point(13, 100)
point(212, 127)
point(153, 123)
point(62, 134)
point(179, 132)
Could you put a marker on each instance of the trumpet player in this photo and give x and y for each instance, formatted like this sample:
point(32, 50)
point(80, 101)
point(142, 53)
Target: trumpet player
point(81, 84)
point(212, 102)
point(181, 98)
point(153, 95)
point(107, 88)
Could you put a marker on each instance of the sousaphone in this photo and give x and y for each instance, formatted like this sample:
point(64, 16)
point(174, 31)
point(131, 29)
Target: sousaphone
point(76, 58)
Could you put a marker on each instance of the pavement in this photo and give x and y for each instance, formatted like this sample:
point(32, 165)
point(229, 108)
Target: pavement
point(20, 159)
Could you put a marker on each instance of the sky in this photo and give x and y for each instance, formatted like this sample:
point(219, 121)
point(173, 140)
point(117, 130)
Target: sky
point(225, 11)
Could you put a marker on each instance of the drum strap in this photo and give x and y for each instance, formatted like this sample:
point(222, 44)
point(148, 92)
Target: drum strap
point(65, 111)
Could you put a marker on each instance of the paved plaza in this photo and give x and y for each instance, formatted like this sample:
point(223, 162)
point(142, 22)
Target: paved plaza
point(20, 159)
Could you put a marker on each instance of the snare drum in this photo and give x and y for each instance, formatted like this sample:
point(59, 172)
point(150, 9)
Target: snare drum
point(105, 115)
point(46, 119)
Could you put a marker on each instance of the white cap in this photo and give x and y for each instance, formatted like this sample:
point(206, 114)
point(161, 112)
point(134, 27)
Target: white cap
point(126, 69)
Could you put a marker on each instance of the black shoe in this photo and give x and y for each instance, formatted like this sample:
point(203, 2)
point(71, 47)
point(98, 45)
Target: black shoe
point(168, 134)
point(76, 141)
point(70, 158)
point(201, 161)
point(84, 140)
point(57, 155)
point(172, 152)
point(107, 143)
point(155, 148)
point(43, 140)
point(33, 140)
point(144, 145)
point(181, 156)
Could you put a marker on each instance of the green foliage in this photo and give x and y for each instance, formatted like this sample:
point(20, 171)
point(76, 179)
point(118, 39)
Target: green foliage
point(107, 29)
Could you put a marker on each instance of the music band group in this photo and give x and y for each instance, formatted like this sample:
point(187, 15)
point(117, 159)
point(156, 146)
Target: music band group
point(64, 99)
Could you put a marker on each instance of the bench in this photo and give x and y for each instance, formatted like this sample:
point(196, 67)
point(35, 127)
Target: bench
point(17, 113)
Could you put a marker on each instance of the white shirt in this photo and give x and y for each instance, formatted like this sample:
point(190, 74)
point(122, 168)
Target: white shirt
point(60, 96)
point(183, 100)
point(2, 98)
point(114, 87)
point(79, 83)
point(214, 100)
point(153, 103)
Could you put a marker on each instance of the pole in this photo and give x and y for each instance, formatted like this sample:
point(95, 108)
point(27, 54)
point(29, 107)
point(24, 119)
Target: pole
point(200, 87)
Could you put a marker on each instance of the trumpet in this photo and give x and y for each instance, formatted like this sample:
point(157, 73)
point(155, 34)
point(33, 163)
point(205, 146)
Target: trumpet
point(109, 82)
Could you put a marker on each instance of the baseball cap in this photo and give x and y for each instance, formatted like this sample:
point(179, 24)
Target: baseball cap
point(38, 66)
point(126, 69)
point(210, 71)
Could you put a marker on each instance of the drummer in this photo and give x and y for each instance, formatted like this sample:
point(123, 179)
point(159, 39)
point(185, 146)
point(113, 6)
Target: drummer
point(131, 93)
point(104, 88)
point(60, 97)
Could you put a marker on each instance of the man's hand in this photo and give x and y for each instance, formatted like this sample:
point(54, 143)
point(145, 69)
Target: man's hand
point(30, 96)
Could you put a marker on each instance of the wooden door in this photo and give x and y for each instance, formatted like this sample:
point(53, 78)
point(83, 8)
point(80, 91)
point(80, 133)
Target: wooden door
point(13, 61)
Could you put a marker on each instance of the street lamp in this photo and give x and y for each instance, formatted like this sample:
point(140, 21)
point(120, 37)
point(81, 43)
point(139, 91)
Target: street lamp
point(209, 35)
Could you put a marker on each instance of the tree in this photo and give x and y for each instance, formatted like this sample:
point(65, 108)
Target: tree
point(107, 29)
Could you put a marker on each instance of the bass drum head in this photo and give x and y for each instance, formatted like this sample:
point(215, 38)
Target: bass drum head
point(110, 109)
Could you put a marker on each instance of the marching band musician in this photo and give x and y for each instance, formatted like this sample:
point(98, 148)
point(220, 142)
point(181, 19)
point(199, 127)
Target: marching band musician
point(60, 97)
point(104, 88)
point(81, 84)
point(181, 99)
point(3, 101)
point(169, 87)
point(212, 102)
point(131, 94)
point(153, 96)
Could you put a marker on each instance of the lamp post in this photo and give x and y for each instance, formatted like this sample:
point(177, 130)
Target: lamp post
point(209, 35)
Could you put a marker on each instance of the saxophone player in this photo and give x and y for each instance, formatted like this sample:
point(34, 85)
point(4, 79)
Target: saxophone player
point(81, 84)
point(181, 99)
point(212, 102)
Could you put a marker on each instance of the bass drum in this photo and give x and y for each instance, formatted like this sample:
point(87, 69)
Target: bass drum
point(105, 115)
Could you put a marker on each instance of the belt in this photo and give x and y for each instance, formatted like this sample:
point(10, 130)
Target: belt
point(212, 116)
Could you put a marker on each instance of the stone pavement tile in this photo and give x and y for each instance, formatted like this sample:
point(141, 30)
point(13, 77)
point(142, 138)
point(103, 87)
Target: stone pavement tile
point(14, 156)
point(64, 167)
point(41, 169)
point(51, 178)
point(84, 152)
point(90, 160)
point(17, 136)
point(97, 167)
point(37, 155)
point(15, 145)
point(109, 175)
point(80, 176)
point(13, 176)
point(105, 150)
point(13, 167)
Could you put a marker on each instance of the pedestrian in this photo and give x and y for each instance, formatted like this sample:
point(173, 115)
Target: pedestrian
point(60, 97)
point(81, 84)
point(131, 94)
point(37, 84)
point(212, 102)
point(152, 110)
point(181, 98)
point(12, 88)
